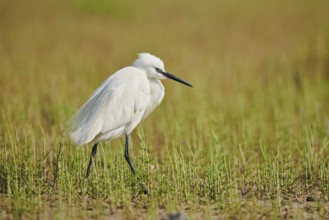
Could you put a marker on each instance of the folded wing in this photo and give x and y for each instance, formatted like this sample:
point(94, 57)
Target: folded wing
point(114, 108)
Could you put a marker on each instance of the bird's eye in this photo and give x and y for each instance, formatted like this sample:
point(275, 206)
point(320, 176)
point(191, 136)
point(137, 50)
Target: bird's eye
point(157, 69)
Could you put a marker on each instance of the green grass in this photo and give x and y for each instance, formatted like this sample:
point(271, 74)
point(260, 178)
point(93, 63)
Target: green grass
point(250, 140)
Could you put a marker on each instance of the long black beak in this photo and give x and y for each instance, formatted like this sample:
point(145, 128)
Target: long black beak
point(171, 76)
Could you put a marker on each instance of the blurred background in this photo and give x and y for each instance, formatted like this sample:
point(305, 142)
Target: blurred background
point(259, 102)
point(249, 61)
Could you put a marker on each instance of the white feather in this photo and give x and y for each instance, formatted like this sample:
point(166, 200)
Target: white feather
point(121, 102)
point(107, 113)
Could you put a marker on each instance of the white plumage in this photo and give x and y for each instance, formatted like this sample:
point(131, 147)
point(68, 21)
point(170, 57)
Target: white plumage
point(117, 106)
point(121, 102)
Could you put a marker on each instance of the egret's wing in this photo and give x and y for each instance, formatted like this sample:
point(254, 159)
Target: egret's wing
point(112, 106)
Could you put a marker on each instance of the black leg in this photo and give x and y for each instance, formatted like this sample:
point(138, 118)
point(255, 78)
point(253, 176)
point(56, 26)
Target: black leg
point(93, 153)
point(127, 156)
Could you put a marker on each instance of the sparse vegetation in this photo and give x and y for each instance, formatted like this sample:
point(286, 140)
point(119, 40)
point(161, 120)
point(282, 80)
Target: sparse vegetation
point(250, 140)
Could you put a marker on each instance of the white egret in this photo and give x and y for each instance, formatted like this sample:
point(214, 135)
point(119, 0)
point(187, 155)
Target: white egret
point(120, 103)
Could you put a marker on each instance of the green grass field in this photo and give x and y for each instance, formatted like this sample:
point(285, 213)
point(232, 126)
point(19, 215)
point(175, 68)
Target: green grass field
point(250, 140)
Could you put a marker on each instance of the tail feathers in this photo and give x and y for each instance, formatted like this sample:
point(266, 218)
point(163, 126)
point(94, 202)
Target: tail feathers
point(87, 123)
point(84, 134)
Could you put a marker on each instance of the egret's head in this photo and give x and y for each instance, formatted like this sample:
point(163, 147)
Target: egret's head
point(150, 64)
point(154, 68)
